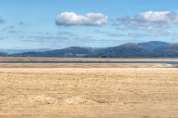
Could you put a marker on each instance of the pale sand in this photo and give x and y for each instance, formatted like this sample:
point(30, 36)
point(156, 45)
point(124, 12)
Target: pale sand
point(88, 92)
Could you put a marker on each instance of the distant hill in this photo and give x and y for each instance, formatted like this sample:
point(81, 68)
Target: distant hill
point(147, 49)
point(3, 54)
point(12, 51)
point(170, 51)
point(66, 52)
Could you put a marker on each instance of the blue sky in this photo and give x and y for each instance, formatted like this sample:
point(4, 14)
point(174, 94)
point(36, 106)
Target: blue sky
point(31, 24)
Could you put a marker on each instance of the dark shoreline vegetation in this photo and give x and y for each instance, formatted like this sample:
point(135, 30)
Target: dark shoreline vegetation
point(152, 49)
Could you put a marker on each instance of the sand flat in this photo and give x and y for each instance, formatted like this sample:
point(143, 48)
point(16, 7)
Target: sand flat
point(88, 92)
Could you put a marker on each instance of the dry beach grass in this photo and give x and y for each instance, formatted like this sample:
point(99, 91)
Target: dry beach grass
point(83, 92)
point(87, 59)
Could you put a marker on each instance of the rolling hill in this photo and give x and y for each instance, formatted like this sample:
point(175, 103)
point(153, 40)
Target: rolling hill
point(146, 49)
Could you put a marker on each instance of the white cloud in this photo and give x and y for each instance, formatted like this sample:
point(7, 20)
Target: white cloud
point(164, 16)
point(150, 20)
point(71, 18)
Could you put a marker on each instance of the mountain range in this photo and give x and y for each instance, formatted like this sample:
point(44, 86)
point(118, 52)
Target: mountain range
point(129, 50)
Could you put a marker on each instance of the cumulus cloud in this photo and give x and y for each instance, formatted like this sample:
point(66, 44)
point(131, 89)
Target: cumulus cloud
point(150, 20)
point(164, 16)
point(71, 18)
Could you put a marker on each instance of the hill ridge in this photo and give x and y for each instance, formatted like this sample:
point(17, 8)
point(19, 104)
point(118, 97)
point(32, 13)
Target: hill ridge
point(145, 49)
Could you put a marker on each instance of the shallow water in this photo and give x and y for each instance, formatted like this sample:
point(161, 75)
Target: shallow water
point(89, 62)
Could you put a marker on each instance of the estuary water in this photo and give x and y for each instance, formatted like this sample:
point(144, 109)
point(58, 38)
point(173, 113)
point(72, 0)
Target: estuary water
point(89, 62)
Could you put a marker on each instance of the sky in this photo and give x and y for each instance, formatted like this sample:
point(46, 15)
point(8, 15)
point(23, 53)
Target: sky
point(55, 24)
